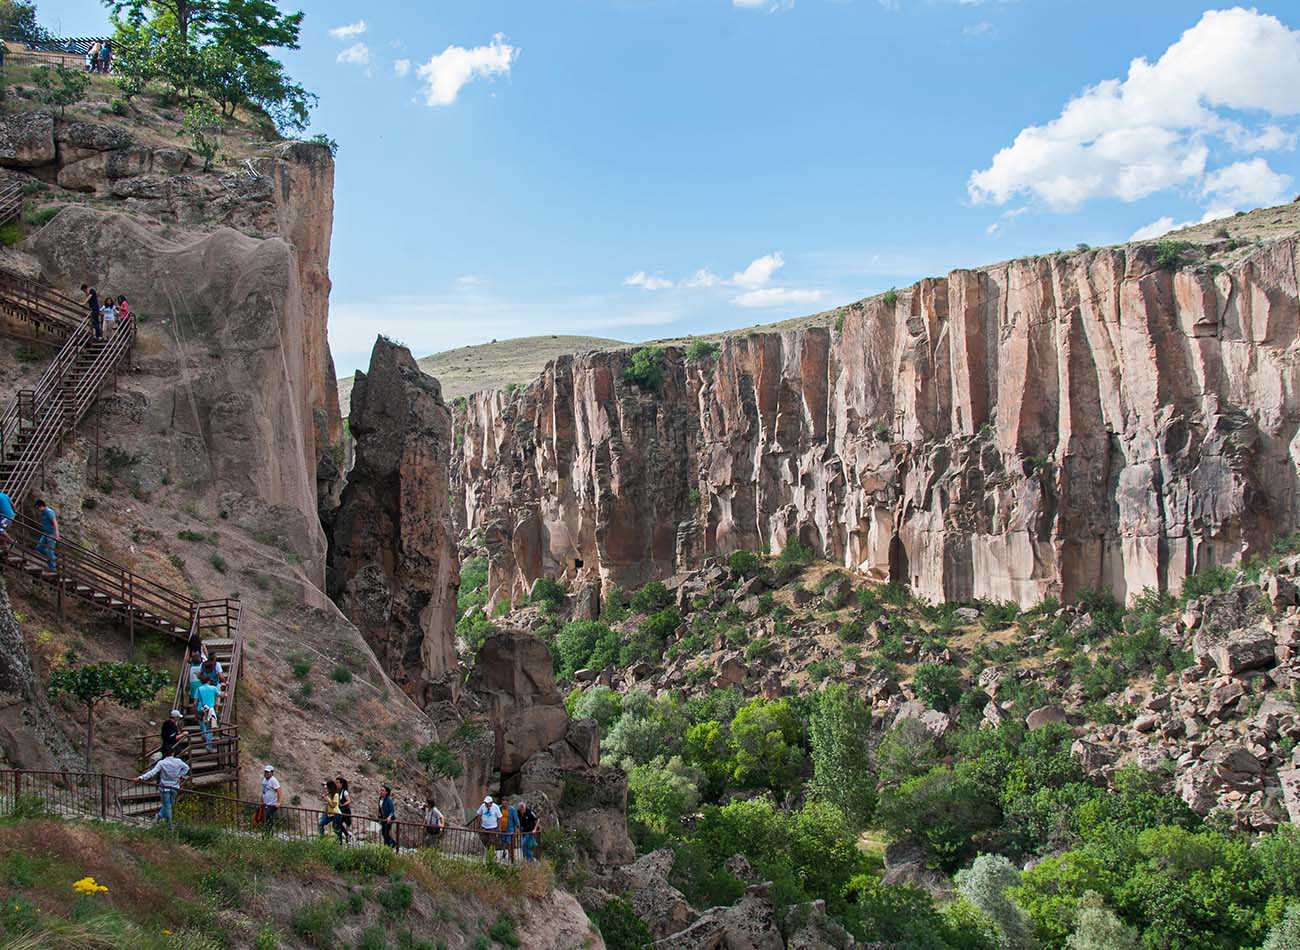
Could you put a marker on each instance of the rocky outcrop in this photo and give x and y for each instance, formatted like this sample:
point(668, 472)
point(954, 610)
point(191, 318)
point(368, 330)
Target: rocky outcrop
point(393, 567)
point(29, 738)
point(1032, 428)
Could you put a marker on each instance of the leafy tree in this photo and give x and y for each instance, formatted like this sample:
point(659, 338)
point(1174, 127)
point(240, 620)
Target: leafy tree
point(764, 743)
point(204, 128)
point(651, 637)
point(548, 592)
point(708, 751)
point(985, 884)
point(1284, 936)
point(646, 368)
point(18, 22)
point(60, 86)
point(837, 730)
point(745, 563)
point(904, 752)
point(942, 809)
point(702, 351)
point(621, 928)
point(661, 792)
point(649, 727)
point(1053, 891)
point(216, 47)
point(938, 685)
point(600, 703)
point(130, 685)
point(1098, 928)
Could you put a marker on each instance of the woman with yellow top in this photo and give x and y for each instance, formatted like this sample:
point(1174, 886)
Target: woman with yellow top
point(332, 815)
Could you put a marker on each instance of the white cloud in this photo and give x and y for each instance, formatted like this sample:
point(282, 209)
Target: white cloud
point(646, 282)
point(776, 297)
point(1004, 219)
point(1156, 228)
point(402, 68)
point(759, 272)
point(702, 278)
point(771, 6)
point(1151, 131)
point(348, 31)
point(1246, 184)
point(357, 54)
point(982, 28)
point(448, 72)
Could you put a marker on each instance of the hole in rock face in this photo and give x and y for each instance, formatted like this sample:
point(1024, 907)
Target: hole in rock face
point(577, 563)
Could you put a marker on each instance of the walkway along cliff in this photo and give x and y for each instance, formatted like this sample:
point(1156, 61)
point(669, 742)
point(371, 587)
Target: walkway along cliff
point(1092, 419)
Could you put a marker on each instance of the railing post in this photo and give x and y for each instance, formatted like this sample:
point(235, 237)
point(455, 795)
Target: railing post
point(18, 788)
point(130, 607)
point(397, 838)
point(103, 796)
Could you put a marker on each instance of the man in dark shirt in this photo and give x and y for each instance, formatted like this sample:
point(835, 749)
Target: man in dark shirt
point(96, 315)
point(387, 815)
point(172, 733)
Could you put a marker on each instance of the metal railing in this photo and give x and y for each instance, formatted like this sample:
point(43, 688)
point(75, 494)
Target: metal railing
point(37, 303)
point(11, 202)
point(91, 795)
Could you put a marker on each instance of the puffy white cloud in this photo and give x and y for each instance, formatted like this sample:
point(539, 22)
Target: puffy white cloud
point(358, 54)
point(771, 6)
point(646, 282)
point(1149, 132)
point(759, 272)
point(446, 73)
point(982, 28)
point(402, 68)
point(1244, 184)
point(348, 31)
point(776, 297)
point(1156, 228)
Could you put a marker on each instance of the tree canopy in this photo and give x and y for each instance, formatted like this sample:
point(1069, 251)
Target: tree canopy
point(130, 685)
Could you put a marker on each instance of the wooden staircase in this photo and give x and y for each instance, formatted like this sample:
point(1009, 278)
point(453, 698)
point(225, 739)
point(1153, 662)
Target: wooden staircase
point(48, 312)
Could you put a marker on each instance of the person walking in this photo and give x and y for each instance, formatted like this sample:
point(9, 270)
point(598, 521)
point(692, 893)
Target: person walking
point(49, 519)
point(171, 772)
point(96, 315)
point(528, 823)
point(7, 516)
point(106, 58)
point(208, 697)
point(331, 815)
point(345, 806)
point(434, 823)
point(488, 817)
point(387, 815)
point(108, 317)
point(270, 798)
point(123, 310)
point(510, 816)
point(92, 56)
point(172, 734)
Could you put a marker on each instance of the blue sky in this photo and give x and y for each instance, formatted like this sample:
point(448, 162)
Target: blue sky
point(649, 168)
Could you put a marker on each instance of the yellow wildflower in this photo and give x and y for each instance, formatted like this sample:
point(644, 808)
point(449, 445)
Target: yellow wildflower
point(87, 885)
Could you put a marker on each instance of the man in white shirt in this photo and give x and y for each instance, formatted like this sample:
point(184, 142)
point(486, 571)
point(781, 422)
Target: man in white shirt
point(488, 817)
point(171, 771)
point(270, 797)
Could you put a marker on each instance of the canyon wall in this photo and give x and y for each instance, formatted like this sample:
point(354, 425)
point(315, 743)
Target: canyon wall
point(1027, 429)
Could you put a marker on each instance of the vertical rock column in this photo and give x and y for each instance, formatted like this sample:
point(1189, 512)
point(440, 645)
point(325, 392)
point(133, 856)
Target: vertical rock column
point(393, 568)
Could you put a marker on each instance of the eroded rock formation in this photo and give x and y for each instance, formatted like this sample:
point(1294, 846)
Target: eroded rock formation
point(393, 564)
point(1031, 428)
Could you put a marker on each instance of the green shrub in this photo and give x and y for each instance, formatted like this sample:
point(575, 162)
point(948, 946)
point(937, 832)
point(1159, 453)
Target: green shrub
point(939, 686)
point(440, 760)
point(998, 615)
point(548, 592)
point(653, 596)
point(39, 217)
point(702, 351)
point(503, 931)
point(584, 644)
point(745, 563)
point(9, 234)
point(218, 562)
point(646, 368)
point(301, 666)
point(341, 674)
point(315, 922)
point(651, 637)
point(621, 928)
point(889, 297)
point(396, 899)
point(1170, 254)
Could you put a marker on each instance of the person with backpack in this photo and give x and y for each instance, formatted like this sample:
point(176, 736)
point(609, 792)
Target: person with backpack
point(345, 806)
point(208, 696)
point(528, 823)
point(387, 815)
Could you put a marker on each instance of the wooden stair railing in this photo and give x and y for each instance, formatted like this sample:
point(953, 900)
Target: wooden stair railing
point(42, 306)
point(11, 202)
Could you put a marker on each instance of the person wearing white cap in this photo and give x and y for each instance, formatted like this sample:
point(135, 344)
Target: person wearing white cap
point(488, 817)
point(270, 797)
point(172, 733)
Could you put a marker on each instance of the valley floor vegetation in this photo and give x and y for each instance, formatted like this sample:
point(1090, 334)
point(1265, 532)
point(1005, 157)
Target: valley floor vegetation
point(1020, 848)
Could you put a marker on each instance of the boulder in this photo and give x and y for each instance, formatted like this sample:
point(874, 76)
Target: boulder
point(662, 907)
point(1043, 715)
point(527, 731)
point(1290, 781)
point(27, 139)
point(836, 593)
point(1092, 756)
point(1235, 650)
point(93, 136)
point(749, 924)
point(1280, 591)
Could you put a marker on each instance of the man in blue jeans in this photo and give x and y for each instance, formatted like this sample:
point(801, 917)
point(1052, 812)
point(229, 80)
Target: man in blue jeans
point(49, 519)
point(171, 771)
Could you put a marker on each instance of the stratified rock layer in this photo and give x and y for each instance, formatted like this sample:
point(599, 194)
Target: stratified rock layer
point(393, 567)
point(1031, 428)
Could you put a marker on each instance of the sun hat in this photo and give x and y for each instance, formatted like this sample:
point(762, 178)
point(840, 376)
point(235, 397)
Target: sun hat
point(487, 800)
point(176, 714)
point(269, 768)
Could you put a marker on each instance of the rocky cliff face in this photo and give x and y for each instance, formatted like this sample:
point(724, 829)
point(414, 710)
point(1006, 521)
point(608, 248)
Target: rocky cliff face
point(393, 567)
point(1032, 428)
